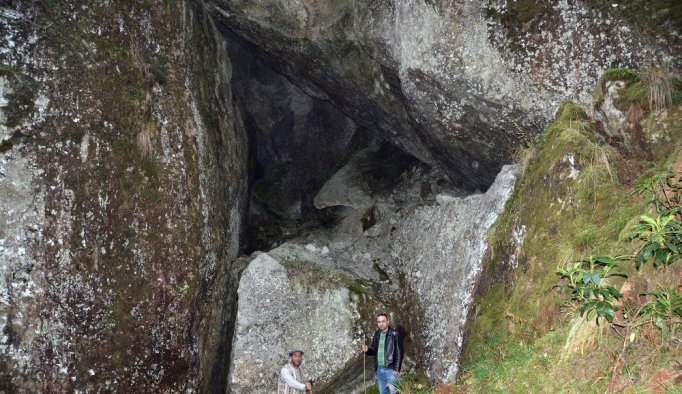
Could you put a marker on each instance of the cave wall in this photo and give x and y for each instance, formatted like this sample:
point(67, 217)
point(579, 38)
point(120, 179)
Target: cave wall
point(452, 83)
point(297, 137)
point(122, 181)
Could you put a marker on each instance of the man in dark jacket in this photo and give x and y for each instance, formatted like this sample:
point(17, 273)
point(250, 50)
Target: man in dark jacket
point(387, 347)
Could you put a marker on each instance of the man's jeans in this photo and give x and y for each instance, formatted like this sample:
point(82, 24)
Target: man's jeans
point(384, 377)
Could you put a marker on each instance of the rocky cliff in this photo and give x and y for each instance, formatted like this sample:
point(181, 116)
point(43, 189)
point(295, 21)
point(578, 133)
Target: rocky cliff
point(123, 185)
point(456, 84)
point(144, 145)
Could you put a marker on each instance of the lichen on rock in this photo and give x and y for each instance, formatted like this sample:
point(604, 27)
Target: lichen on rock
point(292, 304)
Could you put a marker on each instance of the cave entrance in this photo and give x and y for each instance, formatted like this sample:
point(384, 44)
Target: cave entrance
point(325, 193)
point(297, 141)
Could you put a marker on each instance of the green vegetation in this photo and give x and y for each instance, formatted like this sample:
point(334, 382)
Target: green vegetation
point(663, 309)
point(618, 74)
point(496, 360)
point(356, 286)
point(410, 383)
point(662, 239)
point(587, 280)
point(650, 18)
point(582, 197)
point(657, 88)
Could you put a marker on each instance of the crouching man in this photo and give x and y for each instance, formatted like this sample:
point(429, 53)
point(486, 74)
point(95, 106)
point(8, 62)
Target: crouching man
point(291, 376)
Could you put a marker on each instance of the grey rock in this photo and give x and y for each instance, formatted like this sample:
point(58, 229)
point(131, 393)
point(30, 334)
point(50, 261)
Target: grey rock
point(292, 304)
point(122, 191)
point(419, 259)
point(441, 80)
point(439, 249)
point(346, 188)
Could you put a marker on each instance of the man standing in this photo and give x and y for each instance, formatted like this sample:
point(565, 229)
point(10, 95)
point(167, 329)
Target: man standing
point(387, 347)
point(291, 375)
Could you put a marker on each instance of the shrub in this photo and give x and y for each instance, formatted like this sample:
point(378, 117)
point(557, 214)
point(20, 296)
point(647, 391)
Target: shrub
point(586, 279)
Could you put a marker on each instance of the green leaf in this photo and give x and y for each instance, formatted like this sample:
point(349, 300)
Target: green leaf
point(661, 257)
point(648, 220)
point(665, 220)
point(658, 322)
point(586, 278)
point(615, 292)
point(600, 308)
point(605, 260)
point(609, 312)
point(583, 308)
point(647, 250)
point(670, 245)
point(595, 278)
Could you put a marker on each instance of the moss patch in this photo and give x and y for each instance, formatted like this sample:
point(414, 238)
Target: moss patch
point(575, 198)
point(651, 18)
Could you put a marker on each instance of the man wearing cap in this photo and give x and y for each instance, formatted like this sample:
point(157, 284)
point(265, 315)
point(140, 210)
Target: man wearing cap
point(291, 375)
point(387, 347)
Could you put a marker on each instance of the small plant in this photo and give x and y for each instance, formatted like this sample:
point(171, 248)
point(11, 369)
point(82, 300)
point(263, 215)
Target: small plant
point(661, 86)
point(407, 386)
point(662, 306)
point(586, 279)
point(662, 238)
point(665, 191)
point(661, 235)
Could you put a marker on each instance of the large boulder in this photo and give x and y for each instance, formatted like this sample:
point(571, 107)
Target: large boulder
point(290, 304)
point(439, 251)
point(456, 84)
point(408, 240)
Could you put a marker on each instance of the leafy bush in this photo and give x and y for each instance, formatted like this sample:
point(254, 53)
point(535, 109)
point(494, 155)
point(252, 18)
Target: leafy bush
point(586, 279)
point(662, 235)
point(662, 238)
point(662, 306)
point(664, 191)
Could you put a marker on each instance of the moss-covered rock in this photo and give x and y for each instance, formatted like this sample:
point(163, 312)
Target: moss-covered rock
point(128, 204)
point(576, 198)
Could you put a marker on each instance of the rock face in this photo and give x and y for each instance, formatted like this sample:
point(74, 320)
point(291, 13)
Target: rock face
point(122, 187)
point(293, 304)
point(453, 83)
point(440, 249)
point(406, 241)
point(131, 134)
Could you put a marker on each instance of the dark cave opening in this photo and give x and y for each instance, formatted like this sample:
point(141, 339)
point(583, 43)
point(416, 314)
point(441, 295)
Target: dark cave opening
point(297, 141)
point(300, 143)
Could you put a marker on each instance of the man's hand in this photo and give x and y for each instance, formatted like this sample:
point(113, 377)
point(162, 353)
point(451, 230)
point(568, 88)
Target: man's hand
point(308, 386)
point(396, 373)
point(364, 348)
